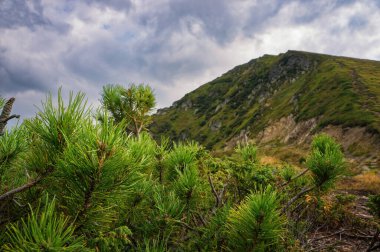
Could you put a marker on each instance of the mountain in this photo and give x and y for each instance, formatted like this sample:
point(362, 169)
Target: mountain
point(283, 100)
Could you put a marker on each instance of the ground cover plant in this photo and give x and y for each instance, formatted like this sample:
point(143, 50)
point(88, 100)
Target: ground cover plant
point(74, 179)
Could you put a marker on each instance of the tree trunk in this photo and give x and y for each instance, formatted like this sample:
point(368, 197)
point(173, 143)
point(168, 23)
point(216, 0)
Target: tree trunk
point(5, 114)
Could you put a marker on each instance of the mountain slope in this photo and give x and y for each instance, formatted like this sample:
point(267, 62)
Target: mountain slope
point(284, 98)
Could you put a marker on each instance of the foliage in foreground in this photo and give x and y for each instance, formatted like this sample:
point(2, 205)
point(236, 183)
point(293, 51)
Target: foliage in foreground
point(325, 161)
point(110, 191)
point(256, 225)
point(43, 230)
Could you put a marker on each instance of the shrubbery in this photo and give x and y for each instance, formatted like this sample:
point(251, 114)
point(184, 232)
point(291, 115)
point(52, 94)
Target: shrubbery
point(85, 185)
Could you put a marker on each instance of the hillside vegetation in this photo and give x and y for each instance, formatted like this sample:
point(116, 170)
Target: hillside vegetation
point(69, 183)
point(282, 99)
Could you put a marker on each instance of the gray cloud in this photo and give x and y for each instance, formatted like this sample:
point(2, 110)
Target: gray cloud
point(174, 45)
point(260, 13)
point(15, 13)
point(314, 9)
point(119, 5)
point(214, 15)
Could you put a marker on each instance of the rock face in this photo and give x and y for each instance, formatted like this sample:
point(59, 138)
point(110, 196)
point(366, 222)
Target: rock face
point(295, 64)
point(287, 130)
point(357, 141)
point(186, 105)
point(282, 99)
point(216, 125)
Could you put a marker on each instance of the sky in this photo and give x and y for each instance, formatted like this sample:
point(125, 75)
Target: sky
point(173, 45)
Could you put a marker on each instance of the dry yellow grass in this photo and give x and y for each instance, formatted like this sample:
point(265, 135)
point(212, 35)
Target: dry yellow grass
point(367, 181)
point(269, 160)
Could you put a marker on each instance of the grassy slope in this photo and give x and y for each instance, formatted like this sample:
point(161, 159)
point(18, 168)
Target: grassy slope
point(338, 90)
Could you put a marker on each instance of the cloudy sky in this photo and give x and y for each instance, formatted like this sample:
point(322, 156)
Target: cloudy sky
point(173, 45)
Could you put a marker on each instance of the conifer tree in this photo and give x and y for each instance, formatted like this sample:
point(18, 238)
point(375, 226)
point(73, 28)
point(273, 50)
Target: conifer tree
point(68, 183)
point(131, 105)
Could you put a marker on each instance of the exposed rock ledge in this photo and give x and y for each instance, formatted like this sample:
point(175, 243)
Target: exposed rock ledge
point(357, 142)
point(287, 130)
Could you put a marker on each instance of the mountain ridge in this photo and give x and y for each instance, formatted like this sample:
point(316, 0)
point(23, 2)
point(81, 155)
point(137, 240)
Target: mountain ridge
point(283, 98)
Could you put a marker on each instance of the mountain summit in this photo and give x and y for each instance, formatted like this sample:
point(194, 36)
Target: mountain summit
point(283, 99)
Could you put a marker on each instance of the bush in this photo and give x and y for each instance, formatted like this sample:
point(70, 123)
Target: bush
point(374, 205)
point(248, 152)
point(115, 240)
point(125, 192)
point(256, 225)
point(325, 161)
point(287, 173)
point(249, 175)
point(181, 157)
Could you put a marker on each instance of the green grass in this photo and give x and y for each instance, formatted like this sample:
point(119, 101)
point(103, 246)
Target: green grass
point(328, 91)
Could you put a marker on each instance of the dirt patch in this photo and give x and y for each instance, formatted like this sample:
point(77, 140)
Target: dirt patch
point(350, 235)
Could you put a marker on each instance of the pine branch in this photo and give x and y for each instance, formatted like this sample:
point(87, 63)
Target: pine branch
point(217, 199)
point(292, 200)
point(86, 204)
point(20, 189)
point(26, 186)
point(292, 179)
point(93, 182)
point(5, 114)
point(328, 236)
point(9, 118)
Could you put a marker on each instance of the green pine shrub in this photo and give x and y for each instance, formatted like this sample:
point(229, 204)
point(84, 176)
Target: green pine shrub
point(114, 240)
point(256, 224)
point(326, 161)
point(117, 191)
point(183, 156)
point(11, 149)
point(374, 205)
point(287, 172)
point(43, 230)
point(247, 152)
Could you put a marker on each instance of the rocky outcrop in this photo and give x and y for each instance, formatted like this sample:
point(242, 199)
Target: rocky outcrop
point(287, 130)
point(360, 146)
point(358, 143)
point(221, 105)
point(186, 105)
point(293, 65)
point(162, 111)
point(242, 137)
point(183, 104)
point(215, 125)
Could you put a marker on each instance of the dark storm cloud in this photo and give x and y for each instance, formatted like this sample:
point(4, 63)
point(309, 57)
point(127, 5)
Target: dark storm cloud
point(97, 62)
point(16, 78)
point(174, 45)
point(215, 15)
point(260, 12)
